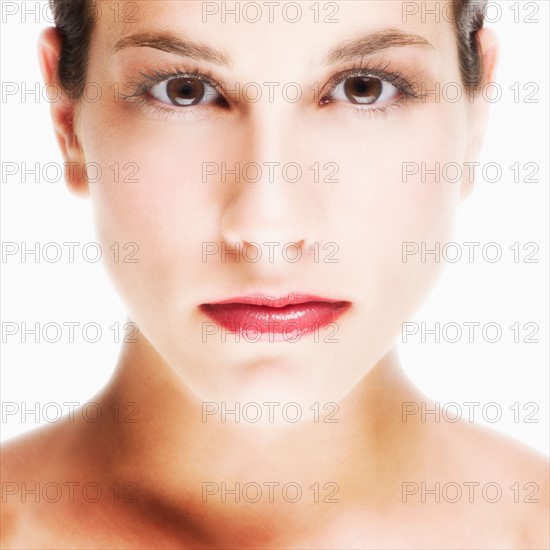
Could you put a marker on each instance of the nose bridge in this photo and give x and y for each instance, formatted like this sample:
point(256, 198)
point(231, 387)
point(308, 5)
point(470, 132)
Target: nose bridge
point(273, 202)
point(269, 137)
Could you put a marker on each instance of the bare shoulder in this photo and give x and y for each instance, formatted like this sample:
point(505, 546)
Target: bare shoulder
point(513, 474)
point(22, 455)
point(15, 455)
point(24, 468)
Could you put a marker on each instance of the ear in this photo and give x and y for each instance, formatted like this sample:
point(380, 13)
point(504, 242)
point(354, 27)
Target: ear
point(63, 110)
point(479, 107)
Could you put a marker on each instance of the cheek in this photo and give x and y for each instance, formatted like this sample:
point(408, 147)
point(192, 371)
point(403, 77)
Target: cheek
point(152, 193)
point(389, 203)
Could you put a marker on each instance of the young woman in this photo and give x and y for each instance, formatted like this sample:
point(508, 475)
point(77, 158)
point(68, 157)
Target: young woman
point(271, 204)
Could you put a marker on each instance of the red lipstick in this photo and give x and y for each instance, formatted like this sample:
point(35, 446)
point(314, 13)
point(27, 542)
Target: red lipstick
point(290, 316)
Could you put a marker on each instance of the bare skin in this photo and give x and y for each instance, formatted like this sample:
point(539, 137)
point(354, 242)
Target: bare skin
point(365, 470)
point(165, 507)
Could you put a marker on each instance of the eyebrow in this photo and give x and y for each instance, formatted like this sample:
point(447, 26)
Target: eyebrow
point(365, 45)
point(167, 42)
point(375, 42)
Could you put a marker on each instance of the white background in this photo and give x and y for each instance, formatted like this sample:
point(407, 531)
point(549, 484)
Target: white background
point(504, 212)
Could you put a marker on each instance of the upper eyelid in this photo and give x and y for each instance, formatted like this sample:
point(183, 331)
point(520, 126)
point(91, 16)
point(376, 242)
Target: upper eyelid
point(202, 77)
point(142, 85)
point(377, 70)
point(336, 80)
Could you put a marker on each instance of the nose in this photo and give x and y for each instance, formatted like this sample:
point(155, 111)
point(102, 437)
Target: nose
point(273, 198)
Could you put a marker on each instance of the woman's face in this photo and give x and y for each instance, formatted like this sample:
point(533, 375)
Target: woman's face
point(327, 178)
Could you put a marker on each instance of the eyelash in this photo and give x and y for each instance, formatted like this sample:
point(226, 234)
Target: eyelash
point(141, 87)
point(407, 89)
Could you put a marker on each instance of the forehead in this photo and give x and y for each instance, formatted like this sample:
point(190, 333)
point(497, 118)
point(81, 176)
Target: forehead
point(279, 30)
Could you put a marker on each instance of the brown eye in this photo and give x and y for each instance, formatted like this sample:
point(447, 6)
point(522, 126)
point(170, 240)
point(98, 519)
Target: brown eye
point(185, 92)
point(363, 90)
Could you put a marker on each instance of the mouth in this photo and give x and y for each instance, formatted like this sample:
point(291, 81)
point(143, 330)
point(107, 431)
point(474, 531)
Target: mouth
point(286, 317)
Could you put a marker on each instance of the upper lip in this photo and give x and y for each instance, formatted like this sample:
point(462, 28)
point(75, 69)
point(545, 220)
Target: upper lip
point(262, 299)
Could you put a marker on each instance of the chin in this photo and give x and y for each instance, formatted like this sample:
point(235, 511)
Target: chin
point(294, 393)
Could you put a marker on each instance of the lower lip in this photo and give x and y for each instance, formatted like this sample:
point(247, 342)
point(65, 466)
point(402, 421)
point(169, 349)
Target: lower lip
point(288, 322)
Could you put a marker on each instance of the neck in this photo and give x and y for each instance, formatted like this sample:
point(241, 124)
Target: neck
point(181, 459)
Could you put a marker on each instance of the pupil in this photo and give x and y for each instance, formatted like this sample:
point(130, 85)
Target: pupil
point(362, 89)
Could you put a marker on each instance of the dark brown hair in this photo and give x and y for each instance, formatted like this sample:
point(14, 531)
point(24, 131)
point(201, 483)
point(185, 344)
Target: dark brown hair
point(75, 21)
